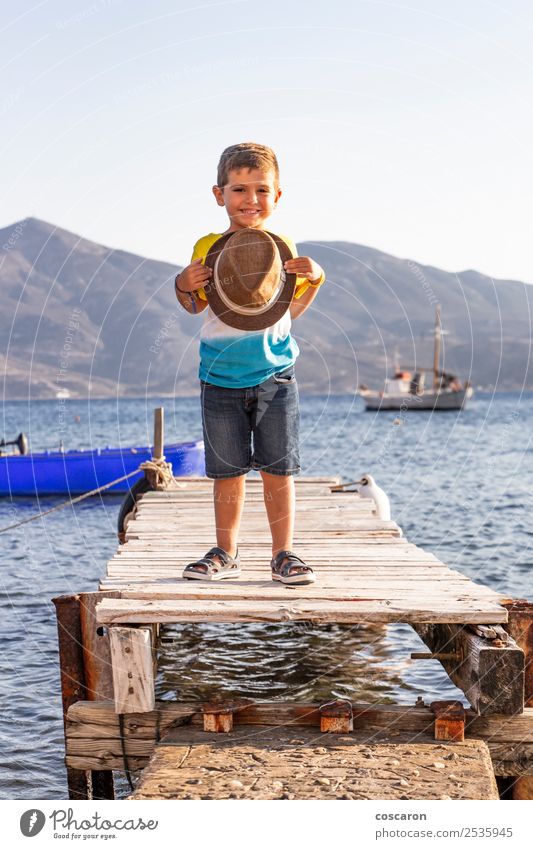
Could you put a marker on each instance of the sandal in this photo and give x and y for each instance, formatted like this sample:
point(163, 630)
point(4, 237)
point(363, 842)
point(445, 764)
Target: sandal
point(209, 569)
point(291, 569)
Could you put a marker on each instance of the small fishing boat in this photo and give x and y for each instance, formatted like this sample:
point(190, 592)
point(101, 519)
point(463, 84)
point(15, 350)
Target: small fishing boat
point(406, 390)
point(78, 471)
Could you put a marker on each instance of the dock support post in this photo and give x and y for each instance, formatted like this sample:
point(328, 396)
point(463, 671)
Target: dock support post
point(98, 676)
point(489, 671)
point(72, 676)
point(72, 628)
point(520, 627)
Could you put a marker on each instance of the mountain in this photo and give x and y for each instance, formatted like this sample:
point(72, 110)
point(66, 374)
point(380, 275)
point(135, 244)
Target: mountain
point(98, 321)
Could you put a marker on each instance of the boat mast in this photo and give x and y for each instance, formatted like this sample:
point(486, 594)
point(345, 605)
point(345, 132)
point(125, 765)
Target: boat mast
point(436, 350)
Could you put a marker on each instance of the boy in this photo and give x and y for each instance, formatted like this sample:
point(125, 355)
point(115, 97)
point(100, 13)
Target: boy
point(247, 377)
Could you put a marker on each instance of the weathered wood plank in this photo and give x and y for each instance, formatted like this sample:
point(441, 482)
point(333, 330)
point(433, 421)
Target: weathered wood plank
point(88, 719)
point(93, 735)
point(133, 669)
point(169, 611)
point(492, 677)
point(197, 765)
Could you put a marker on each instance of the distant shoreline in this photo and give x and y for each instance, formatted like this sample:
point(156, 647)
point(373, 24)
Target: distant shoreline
point(478, 393)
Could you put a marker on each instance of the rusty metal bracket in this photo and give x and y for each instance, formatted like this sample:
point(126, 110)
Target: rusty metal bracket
point(218, 716)
point(450, 719)
point(336, 717)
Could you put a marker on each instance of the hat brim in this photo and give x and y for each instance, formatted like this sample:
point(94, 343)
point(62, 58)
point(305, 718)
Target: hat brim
point(250, 322)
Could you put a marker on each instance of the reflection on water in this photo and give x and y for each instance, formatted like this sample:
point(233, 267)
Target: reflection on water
point(296, 661)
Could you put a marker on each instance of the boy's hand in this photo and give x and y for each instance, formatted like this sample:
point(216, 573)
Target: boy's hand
point(304, 266)
point(193, 276)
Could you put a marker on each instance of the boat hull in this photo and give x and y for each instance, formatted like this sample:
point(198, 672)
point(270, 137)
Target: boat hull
point(75, 472)
point(427, 401)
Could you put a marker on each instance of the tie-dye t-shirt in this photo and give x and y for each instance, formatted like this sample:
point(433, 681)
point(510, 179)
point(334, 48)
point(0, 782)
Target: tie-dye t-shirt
point(237, 358)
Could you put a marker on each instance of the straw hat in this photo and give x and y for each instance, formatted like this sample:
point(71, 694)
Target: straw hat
point(249, 289)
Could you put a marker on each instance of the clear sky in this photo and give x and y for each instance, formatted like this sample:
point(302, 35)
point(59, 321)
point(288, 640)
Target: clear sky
point(404, 126)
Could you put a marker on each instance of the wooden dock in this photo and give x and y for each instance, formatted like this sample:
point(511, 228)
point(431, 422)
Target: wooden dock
point(288, 763)
point(367, 572)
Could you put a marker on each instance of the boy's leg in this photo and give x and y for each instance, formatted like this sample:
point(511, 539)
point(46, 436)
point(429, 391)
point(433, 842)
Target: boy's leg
point(278, 492)
point(279, 495)
point(228, 496)
point(226, 419)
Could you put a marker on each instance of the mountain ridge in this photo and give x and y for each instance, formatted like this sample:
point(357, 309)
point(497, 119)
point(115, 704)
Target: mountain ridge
point(131, 334)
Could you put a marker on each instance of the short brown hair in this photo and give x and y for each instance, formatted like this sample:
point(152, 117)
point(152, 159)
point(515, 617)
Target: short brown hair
point(246, 155)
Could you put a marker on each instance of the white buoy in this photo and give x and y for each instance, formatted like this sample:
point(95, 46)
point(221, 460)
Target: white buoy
point(368, 488)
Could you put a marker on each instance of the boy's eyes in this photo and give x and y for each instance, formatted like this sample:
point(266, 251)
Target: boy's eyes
point(241, 189)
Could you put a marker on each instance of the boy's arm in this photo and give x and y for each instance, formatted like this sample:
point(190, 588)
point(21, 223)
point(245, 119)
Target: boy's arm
point(315, 276)
point(298, 307)
point(189, 284)
point(189, 300)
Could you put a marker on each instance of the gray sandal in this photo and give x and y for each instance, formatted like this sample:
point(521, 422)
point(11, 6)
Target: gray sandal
point(209, 569)
point(290, 569)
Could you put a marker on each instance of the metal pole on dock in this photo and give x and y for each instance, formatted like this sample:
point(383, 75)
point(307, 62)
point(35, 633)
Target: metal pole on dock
point(159, 432)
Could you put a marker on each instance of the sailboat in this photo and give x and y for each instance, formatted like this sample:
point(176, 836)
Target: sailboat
point(406, 390)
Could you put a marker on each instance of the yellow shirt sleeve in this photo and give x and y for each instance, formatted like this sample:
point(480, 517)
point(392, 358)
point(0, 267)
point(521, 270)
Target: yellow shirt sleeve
point(200, 251)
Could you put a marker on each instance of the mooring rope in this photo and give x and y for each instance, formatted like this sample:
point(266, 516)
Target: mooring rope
point(161, 468)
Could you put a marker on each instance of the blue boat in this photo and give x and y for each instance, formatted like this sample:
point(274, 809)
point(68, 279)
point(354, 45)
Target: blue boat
point(75, 472)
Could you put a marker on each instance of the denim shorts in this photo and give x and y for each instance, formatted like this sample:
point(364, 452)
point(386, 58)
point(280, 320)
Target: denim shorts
point(252, 428)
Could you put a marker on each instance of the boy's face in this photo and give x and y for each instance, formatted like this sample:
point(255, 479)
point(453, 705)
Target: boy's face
point(250, 197)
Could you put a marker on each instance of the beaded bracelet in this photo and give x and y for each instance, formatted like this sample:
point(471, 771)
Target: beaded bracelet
point(183, 291)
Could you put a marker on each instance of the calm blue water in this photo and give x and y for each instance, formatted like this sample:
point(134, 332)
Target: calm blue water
point(459, 485)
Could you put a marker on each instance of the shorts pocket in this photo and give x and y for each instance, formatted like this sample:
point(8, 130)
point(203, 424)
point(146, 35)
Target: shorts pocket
point(285, 376)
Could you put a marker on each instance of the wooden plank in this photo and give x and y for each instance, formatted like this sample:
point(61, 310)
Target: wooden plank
point(96, 652)
point(355, 543)
point(350, 590)
point(93, 734)
point(133, 669)
point(491, 676)
point(172, 611)
point(283, 763)
point(86, 719)
point(261, 582)
point(172, 589)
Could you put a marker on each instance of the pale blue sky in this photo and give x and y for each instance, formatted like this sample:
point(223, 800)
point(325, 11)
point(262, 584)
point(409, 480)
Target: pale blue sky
point(404, 126)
